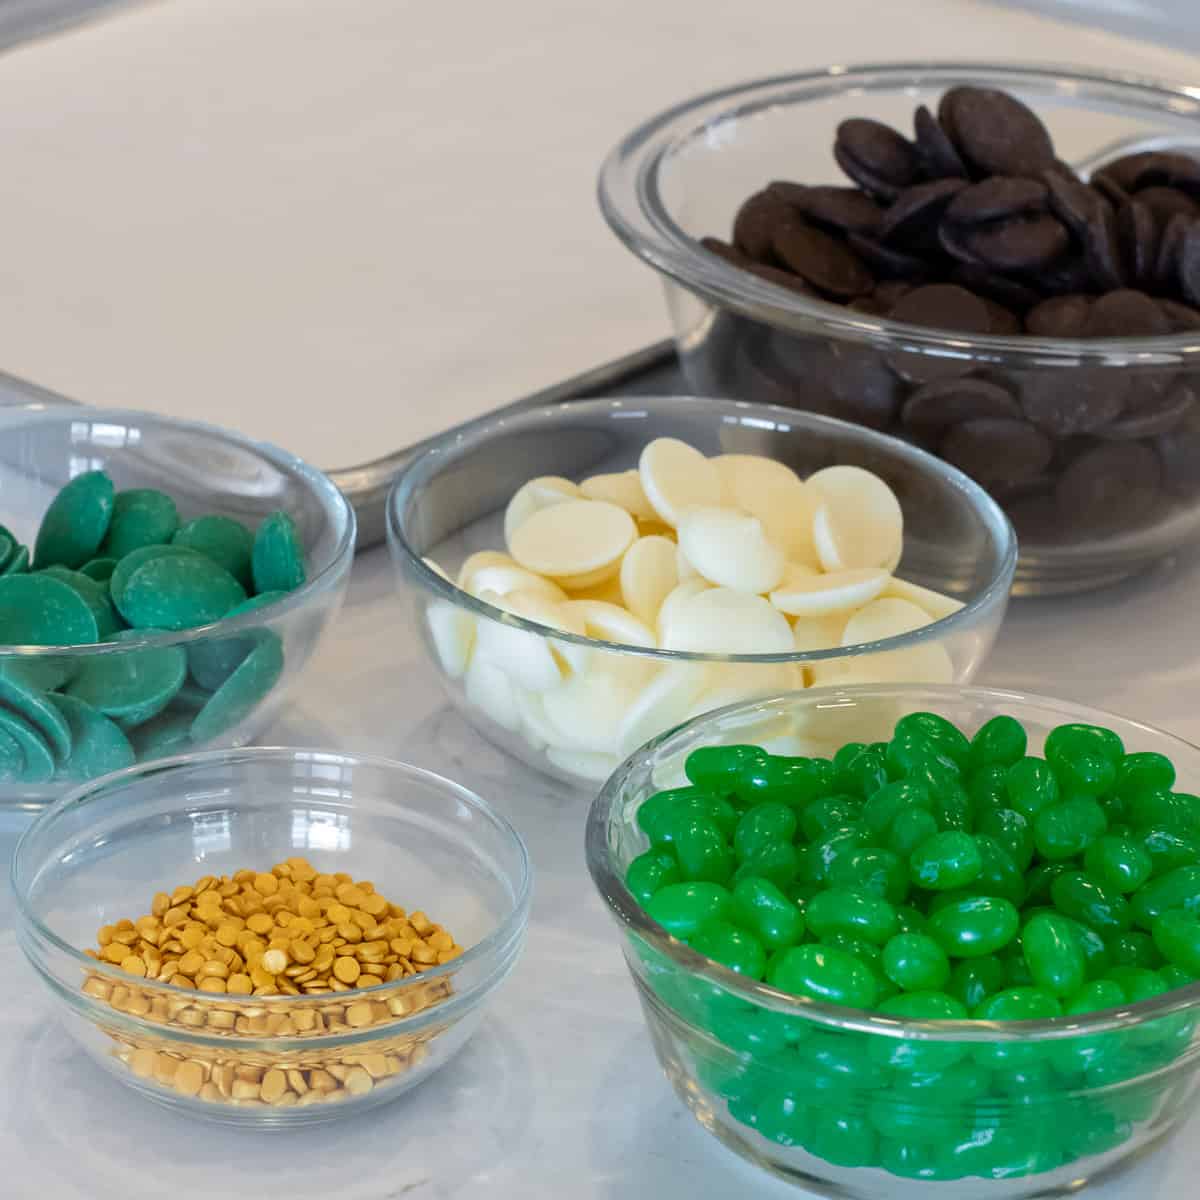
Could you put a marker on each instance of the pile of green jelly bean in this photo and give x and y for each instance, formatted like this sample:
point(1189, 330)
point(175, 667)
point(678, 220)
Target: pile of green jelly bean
point(117, 566)
point(930, 877)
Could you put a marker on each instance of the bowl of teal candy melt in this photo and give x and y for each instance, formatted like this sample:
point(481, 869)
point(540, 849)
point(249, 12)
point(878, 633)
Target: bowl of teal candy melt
point(898, 940)
point(162, 583)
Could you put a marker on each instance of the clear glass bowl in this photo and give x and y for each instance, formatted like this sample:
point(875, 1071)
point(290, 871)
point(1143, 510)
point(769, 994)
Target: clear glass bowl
point(205, 470)
point(1119, 492)
point(854, 1103)
point(450, 501)
point(101, 853)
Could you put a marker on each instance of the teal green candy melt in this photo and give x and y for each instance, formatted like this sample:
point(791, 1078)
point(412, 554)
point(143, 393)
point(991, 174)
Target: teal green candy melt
point(226, 541)
point(94, 595)
point(36, 707)
point(277, 558)
point(128, 566)
point(17, 564)
point(140, 517)
point(133, 685)
point(12, 758)
point(168, 733)
point(99, 569)
point(40, 610)
point(215, 659)
point(75, 523)
point(243, 691)
point(178, 592)
point(37, 759)
point(98, 745)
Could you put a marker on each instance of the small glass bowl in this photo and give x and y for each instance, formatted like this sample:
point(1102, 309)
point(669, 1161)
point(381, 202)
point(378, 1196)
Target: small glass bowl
point(450, 501)
point(99, 855)
point(205, 470)
point(1120, 415)
point(855, 1103)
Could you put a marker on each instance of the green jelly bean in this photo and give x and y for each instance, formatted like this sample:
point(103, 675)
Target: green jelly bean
point(1040, 880)
point(953, 810)
point(732, 947)
point(1177, 937)
point(213, 660)
point(277, 557)
point(763, 825)
point(37, 760)
point(1163, 810)
point(98, 745)
point(1143, 772)
point(1016, 969)
point(909, 1160)
point(750, 1031)
point(1011, 830)
point(885, 805)
point(1116, 812)
point(1014, 1004)
point(40, 610)
point(762, 908)
point(861, 772)
point(973, 980)
point(944, 735)
point(226, 541)
point(1081, 897)
point(987, 787)
point(99, 569)
point(134, 685)
point(1133, 949)
point(1175, 976)
point(1095, 995)
point(1068, 740)
point(1000, 1153)
point(923, 1118)
point(820, 855)
point(777, 861)
point(1085, 775)
point(828, 1061)
point(1096, 955)
point(910, 828)
point(914, 962)
point(1138, 983)
point(946, 861)
point(911, 920)
point(1053, 954)
point(781, 1117)
point(998, 875)
point(1177, 889)
point(824, 973)
point(243, 691)
point(998, 742)
point(661, 814)
point(846, 1140)
point(1118, 863)
point(140, 517)
point(702, 851)
point(168, 733)
point(954, 1087)
point(866, 953)
point(1031, 786)
point(1167, 849)
point(827, 813)
point(917, 1054)
point(683, 909)
point(650, 872)
point(873, 870)
point(1067, 829)
point(796, 781)
point(942, 778)
point(975, 926)
point(718, 768)
point(38, 708)
point(76, 522)
point(905, 752)
point(178, 592)
point(854, 914)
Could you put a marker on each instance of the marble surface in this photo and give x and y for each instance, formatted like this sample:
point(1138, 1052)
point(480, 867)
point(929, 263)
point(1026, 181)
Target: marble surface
point(346, 224)
point(558, 1096)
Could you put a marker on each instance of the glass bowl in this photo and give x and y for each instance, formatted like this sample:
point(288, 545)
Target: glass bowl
point(101, 853)
point(855, 1103)
point(1113, 423)
point(450, 501)
point(239, 669)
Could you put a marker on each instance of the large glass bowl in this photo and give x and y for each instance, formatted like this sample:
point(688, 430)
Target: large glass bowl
point(100, 854)
point(1119, 415)
point(450, 501)
point(249, 662)
point(857, 1104)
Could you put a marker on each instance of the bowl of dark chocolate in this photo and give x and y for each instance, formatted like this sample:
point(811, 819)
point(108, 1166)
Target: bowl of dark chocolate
point(1001, 264)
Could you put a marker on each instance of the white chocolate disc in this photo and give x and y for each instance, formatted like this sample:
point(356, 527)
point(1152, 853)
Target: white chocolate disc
point(927, 663)
point(683, 566)
point(590, 580)
point(818, 633)
point(502, 579)
point(663, 703)
point(474, 563)
point(611, 623)
point(609, 591)
point(675, 477)
point(648, 575)
point(934, 603)
point(526, 658)
point(452, 632)
point(535, 495)
point(883, 619)
point(666, 614)
point(574, 538)
point(734, 683)
point(533, 606)
point(531, 708)
point(593, 767)
point(723, 621)
point(858, 522)
point(623, 489)
point(490, 690)
point(730, 549)
point(586, 712)
point(773, 493)
point(824, 595)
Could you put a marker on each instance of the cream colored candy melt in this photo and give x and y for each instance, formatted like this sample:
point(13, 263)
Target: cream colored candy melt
point(676, 477)
point(730, 549)
point(577, 538)
point(649, 572)
point(499, 574)
point(722, 621)
point(773, 493)
point(623, 489)
point(838, 592)
point(611, 623)
point(537, 494)
point(858, 522)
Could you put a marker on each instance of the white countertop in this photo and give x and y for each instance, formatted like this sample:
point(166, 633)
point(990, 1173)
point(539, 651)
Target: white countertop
point(345, 224)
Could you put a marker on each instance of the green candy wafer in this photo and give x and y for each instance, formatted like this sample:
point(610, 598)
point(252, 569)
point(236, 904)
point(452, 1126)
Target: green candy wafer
point(37, 759)
point(140, 517)
point(226, 541)
point(242, 692)
point(178, 591)
point(97, 744)
point(76, 522)
point(212, 662)
point(128, 566)
point(18, 564)
point(94, 594)
point(18, 696)
point(40, 610)
point(278, 557)
point(12, 758)
point(134, 686)
point(99, 569)
point(168, 733)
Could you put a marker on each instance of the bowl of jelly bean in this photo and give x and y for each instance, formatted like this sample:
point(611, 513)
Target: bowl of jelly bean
point(586, 576)
point(162, 585)
point(897, 939)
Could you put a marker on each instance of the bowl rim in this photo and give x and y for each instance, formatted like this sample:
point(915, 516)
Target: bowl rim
point(630, 199)
point(457, 442)
point(337, 508)
point(499, 945)
point(635, 922)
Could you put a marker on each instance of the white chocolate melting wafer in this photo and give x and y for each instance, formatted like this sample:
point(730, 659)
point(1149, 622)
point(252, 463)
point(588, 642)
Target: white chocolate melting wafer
point(722, 621)
point(648, 575)
point(577, 538)
point(536, 494)
point(676, 477)
point(858, 522)
point(730, 549)
point(822, 595)
point(624, 488)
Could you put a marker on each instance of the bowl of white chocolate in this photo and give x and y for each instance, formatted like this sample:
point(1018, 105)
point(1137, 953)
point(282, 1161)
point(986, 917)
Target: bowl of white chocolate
point(586, 576)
